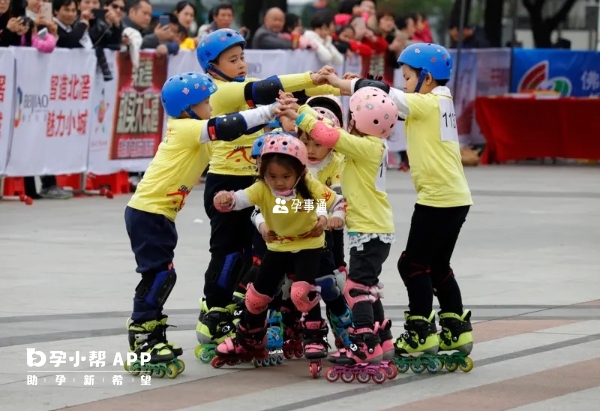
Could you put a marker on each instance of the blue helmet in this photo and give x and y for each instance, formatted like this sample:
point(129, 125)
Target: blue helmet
point(257, 146)
point(215, 43)
point(275, 123)
point(184, 90)
point(430, 59)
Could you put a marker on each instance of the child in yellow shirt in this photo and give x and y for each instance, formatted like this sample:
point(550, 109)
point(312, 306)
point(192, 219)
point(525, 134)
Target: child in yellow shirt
point(151, 212)
point(295, 208)
point(369, 220)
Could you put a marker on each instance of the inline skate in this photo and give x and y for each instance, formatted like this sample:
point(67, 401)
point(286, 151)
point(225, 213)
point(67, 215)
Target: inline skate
point(361, 361)
point(340, 327)
point(214, 326)
point(150, 337)
point(384, 332)
point(292, 329)
point(421, 338)
point(274, 339)
point(248, 346)
point(315, 345)
point(457, 336)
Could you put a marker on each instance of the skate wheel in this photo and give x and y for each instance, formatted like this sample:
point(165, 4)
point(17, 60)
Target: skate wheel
point(160, 373)
point(348, 377)
point(402, 367)
point(197, 351)
point(379, 378)
point(298, 353)
point(231, 363)
point(451, 366)
point(134, 369)
point(266, 362)
point(256, 363)
point(217, 362)
point(273, 361)
point(331, 375)
point(417, 368)
point(434, 366)
point(315, 370)
point(467, 366)
point(180, 366)
point(171, 371)
point(391, 372)
point(205, 356)
point(288, 354)
point(363, 378)
point(280, 359)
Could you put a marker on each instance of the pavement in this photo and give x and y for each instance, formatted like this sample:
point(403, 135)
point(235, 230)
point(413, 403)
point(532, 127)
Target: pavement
point(527, 261)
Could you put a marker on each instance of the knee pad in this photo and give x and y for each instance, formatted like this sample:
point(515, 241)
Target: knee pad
point(330, 290)
point(299, 295)
point(356, 293)
point(227, 271)
point(256, 302)
point(286, 288)
point(409, 269)
point(156, 288)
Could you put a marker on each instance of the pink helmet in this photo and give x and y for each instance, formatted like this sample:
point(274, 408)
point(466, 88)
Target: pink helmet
point(328, 102)
point(284, 143)
point(373, 111)
point(328, 114)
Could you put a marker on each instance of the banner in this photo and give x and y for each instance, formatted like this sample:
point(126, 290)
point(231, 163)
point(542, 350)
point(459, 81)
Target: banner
point(267, 63)
point(7, 90)
point(570, 73)
point(52, 111)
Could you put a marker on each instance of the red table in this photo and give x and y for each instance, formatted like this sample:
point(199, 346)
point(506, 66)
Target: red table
point(522, 128)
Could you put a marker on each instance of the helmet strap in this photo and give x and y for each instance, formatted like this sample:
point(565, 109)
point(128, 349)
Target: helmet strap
point(422, 78)
point(223, 76)
point(192, 113)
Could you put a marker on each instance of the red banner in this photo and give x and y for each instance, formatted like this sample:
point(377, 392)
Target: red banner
point(138, 123)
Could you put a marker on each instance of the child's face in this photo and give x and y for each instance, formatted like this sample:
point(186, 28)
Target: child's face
point(347, 34)
point(368, 7)
point(279, 177)
point(316, 152)
point(232, 63)
point(203, 109)
point(411, 79)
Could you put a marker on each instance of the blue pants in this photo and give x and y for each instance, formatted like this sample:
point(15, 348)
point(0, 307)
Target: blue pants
point(153, 239)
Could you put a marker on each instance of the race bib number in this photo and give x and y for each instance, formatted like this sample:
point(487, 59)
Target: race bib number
point(380, 179)
point(448, 129)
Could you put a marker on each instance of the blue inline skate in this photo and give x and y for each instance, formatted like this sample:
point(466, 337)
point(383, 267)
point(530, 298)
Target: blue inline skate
point(274, 340)
point(340, 326)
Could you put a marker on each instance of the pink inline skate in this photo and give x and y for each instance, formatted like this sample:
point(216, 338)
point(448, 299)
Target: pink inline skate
point(248, 346)
point(361, 361)
point(315, 345)
point(384, 333)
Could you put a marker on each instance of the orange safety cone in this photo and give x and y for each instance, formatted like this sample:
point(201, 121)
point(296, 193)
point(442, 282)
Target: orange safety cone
point(116, 183)
point(14, 189)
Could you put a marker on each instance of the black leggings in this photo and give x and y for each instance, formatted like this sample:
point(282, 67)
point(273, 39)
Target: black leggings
point(230, 240)
point(425, 264)
point(275, 265)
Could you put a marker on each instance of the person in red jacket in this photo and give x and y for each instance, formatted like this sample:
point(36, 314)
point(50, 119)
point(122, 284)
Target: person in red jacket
point(371, 64)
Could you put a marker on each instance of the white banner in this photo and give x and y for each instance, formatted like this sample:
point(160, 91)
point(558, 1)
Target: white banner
point(267, 63)
point(52, 112)
point(7, 91)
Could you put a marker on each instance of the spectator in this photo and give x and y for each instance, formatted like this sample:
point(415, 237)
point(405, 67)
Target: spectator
point(396, 43)
point(322, 27)
point(182, 37)
point(12, 24)
point(268, 37)
point(222, 18)
point(422, 31)
point(139, 18)
point(372, 61)
point(44, 43)
point(368, 8)
point(104, 31)
point(473, 37)
point(292, 30)
point(186, 13)
point(347, 10)
point(406, 24)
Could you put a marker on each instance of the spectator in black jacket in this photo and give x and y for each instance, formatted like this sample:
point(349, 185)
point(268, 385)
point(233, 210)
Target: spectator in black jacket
point(12, 25)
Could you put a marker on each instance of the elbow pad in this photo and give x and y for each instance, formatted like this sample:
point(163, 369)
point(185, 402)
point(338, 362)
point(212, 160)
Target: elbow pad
point(262, 92)
point(364, 82)
point(227, 128)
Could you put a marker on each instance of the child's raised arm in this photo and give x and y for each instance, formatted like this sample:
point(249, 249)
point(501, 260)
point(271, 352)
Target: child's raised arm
point(233, 126)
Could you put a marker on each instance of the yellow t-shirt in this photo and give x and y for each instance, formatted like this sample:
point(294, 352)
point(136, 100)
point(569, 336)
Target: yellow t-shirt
point(174, 171)
point(188, 44)
point(294, 219)
point(233, 158)
point(434, 151)
point(329, 171)
point(363, 180)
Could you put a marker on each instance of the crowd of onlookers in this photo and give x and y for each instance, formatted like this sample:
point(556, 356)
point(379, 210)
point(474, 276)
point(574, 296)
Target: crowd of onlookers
point(358, 29)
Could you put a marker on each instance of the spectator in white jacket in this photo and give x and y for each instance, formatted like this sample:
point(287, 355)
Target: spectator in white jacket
point(321, 29)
